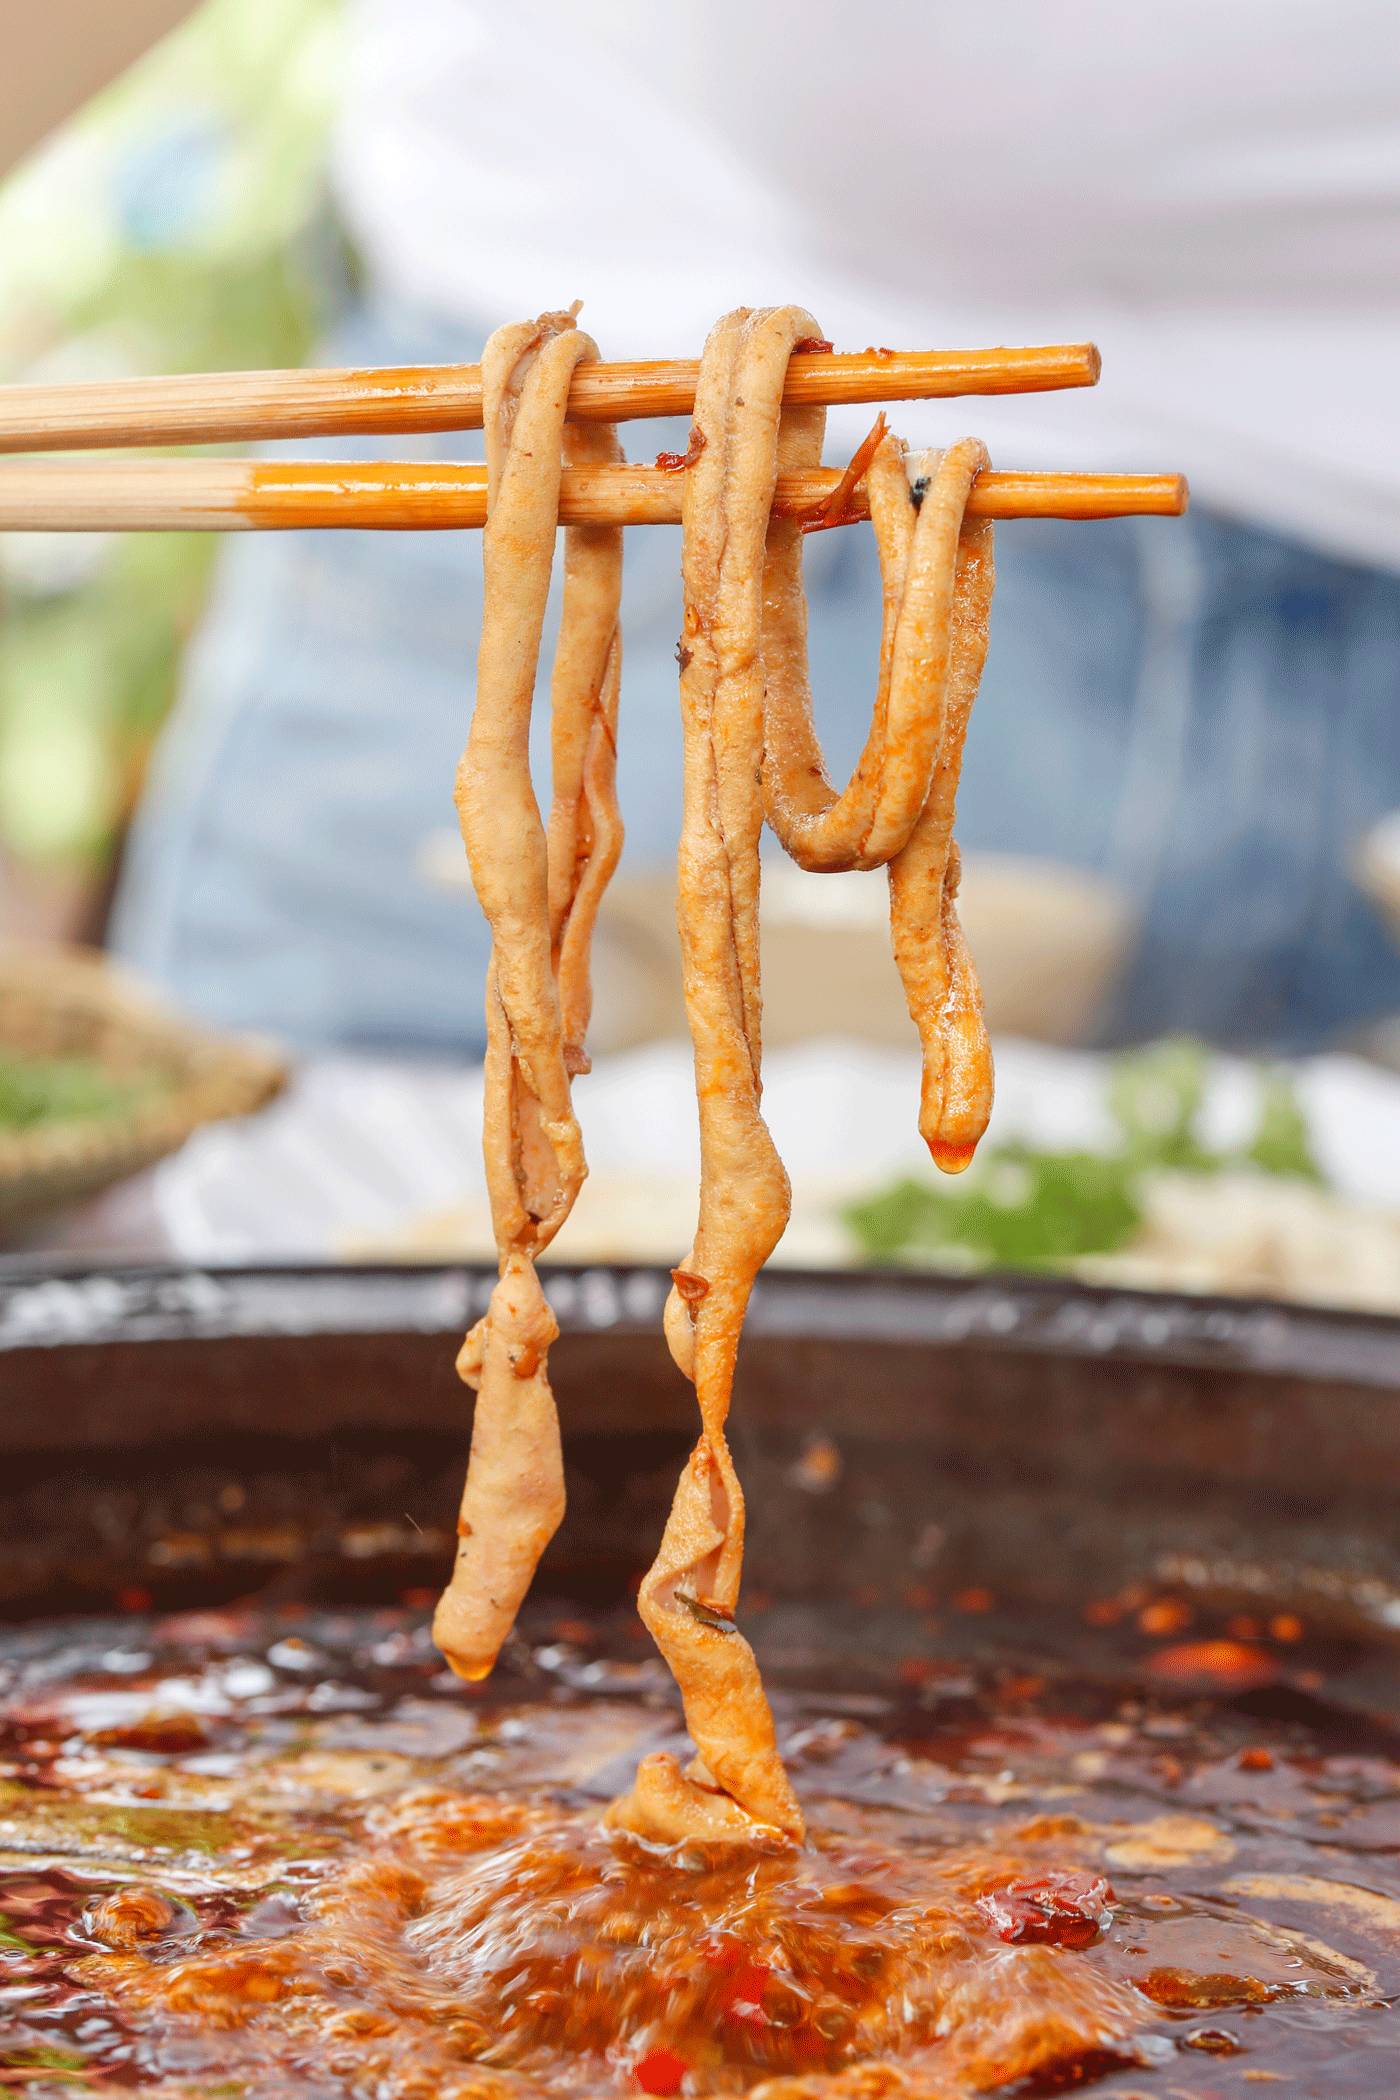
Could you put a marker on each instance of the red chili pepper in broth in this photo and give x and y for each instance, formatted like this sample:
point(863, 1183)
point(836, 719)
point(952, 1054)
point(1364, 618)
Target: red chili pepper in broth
point(742, 1980)
point(1064, 1910)
point(1236, 1664)
point(744, 1995)
point(660, 2071)
point(1165, 1615)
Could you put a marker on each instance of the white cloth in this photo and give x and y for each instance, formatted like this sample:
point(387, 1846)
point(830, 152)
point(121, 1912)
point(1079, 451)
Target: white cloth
point(1210, 189)
point(360, 1157)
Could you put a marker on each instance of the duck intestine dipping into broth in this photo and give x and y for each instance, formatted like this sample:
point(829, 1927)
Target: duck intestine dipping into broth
point(750, 751)
point(749, 745)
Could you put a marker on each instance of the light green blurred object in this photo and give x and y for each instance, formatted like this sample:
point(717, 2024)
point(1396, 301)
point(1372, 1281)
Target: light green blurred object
point(179, 224)
point(1025, 1207)
point(37, 1090)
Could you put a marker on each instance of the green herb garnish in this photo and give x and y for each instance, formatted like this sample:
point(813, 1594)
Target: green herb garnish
point(1020, 1208)
point(66, 2062)
point(1024, 1210)
point(711, 1615)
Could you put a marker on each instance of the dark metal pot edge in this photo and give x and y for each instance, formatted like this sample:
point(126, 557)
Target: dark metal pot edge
point(44, 1304)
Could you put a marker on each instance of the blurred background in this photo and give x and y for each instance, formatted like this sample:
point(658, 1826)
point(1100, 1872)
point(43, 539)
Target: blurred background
point(240, 968)
point(176, 222)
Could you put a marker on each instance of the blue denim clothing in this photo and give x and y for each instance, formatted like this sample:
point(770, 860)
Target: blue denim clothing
point(1205, 713)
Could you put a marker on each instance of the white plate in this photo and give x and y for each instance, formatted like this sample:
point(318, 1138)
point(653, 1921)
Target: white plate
point(368, 1159)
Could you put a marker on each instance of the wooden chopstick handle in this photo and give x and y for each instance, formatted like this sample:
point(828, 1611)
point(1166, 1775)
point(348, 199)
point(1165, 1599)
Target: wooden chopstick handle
point(224, 495)
point(249, 407)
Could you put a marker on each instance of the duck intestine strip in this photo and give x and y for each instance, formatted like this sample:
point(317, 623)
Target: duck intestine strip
point(689, 1597)
point(540, 895)
point(897, 809)
point(749, 745)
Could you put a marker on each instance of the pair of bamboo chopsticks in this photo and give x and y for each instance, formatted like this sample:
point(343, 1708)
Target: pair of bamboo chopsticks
point(191, 495)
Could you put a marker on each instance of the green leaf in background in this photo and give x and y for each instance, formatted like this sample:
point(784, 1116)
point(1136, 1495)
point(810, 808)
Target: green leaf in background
point(1021, 1208)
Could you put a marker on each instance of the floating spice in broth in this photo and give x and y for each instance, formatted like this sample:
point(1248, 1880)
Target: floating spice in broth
point(333, 1895)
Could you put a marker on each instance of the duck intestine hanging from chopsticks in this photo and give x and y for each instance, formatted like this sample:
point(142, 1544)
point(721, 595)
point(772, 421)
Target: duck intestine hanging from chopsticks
point(750, 750)
point(540, 893)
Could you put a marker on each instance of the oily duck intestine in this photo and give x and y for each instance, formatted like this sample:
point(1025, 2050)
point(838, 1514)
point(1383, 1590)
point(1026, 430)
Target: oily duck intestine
point(750, 750)
point(540, 892)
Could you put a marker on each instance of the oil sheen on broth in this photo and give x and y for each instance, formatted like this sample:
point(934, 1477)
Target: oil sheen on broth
point(251, 1854)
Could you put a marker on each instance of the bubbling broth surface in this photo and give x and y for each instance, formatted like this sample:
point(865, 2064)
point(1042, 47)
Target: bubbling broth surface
point(252, 1853)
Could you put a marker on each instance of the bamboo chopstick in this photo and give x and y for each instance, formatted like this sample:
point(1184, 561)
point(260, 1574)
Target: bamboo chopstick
point(230, 495)
point(247, 407)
